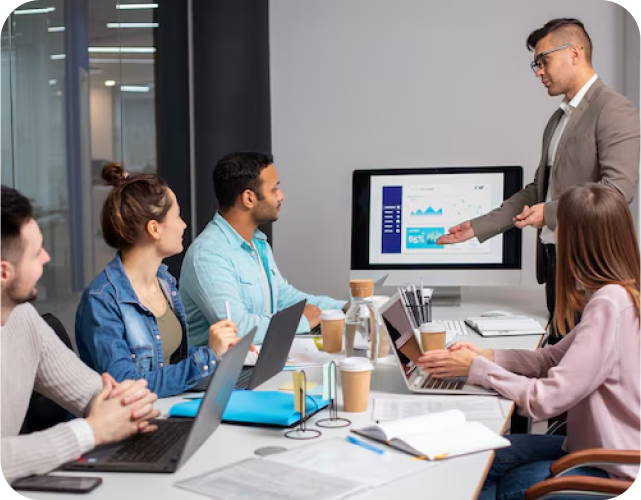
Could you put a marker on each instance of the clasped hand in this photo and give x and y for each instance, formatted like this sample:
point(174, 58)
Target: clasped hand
point(121, 410)
point(452, 362)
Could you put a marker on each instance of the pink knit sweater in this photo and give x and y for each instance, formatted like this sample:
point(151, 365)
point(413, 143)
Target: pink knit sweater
point(593, 374)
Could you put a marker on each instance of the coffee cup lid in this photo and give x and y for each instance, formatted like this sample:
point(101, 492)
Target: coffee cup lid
point(433, 327)
point(356, 364)
point(332, 314)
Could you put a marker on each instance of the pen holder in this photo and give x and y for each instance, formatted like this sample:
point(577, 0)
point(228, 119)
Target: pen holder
point(420, 313)
point(302, 432)
point(334, 421)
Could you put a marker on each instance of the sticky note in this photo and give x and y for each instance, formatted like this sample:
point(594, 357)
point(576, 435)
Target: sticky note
point(298, 381)
point(289, 386)
point(329, 380)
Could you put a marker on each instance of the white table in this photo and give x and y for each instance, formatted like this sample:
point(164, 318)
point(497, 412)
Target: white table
point(456, 478)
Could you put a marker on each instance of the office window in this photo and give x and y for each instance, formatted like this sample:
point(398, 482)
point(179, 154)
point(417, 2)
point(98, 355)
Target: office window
point(77, 92)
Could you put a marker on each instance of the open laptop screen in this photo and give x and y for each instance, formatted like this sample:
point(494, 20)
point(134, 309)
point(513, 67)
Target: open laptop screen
point(401, 332)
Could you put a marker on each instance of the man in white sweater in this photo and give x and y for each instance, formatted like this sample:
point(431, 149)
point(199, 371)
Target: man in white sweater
point(34, 358)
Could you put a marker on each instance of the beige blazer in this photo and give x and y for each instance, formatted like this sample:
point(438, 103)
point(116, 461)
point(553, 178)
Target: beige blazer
point(599, 144)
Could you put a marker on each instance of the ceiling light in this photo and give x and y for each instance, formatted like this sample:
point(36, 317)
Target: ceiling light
point(47, 10)
point(122, 50)
point(99, 60)
point(53, 82)
point(110, 83)
point(134, 88)
point(55, 29)
point(132, 25)
point(57, 57)
point(136, 6)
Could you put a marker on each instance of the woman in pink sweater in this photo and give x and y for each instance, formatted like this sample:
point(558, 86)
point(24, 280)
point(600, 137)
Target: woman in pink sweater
point(593, 372)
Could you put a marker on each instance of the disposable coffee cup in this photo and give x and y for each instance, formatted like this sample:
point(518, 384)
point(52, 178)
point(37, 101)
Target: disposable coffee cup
point(356, 376)
point(432, 336)
point(332, 324)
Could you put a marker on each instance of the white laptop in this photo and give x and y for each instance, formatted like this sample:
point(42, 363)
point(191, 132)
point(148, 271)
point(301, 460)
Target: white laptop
point(406, 349)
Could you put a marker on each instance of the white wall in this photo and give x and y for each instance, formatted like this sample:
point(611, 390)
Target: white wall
point(384, 83)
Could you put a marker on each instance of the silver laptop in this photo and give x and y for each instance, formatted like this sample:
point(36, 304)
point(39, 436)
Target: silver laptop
point(407, 350)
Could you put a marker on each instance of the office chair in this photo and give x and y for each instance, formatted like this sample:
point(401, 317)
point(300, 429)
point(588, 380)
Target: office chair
point(582, 485)
point(42, 412)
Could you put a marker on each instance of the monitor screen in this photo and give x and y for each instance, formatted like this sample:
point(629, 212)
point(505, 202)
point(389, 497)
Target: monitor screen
point(399, 214)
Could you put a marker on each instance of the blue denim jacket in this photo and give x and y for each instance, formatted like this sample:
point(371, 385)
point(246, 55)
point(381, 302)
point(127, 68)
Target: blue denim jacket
point(221, 266)
point(115, 333)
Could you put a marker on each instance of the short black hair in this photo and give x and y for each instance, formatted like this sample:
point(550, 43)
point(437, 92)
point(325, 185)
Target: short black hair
point(16, 212)
point(565, 27)
point(236, 172)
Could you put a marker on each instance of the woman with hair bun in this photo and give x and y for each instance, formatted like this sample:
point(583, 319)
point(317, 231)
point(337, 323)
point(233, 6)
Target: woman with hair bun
point(130, 321)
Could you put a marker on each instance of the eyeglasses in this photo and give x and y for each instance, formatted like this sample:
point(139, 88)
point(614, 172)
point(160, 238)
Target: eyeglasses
point(541, 60)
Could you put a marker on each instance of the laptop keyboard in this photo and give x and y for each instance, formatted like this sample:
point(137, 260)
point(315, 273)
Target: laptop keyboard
point(458, 326)
point(147, 448)
point(244, 378)
point(452, 383)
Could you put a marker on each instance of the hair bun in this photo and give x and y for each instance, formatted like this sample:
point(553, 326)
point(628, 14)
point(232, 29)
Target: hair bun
point(114, 173)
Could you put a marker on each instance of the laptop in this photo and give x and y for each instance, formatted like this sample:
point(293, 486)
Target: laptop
point(176, 440)
point(406, 349)
point(275, 349)
point(273, 353)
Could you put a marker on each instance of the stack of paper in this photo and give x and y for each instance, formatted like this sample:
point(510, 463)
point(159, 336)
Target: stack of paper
point(327, 470)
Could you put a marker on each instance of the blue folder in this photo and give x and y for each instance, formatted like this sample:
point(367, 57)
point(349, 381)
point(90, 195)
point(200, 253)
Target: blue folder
point(272, 408)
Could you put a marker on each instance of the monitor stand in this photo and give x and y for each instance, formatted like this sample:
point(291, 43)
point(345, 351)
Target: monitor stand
point(446, 296)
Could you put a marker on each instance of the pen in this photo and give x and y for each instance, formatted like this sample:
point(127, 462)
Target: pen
point(252, 347)
point(365, 445)
point(228, 309)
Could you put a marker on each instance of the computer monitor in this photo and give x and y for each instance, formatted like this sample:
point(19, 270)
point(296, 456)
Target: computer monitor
point(399, 214)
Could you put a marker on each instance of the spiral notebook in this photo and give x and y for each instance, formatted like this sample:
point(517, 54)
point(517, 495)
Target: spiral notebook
point(505, 326)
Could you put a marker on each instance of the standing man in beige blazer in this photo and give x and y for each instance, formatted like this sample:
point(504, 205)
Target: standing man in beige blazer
point(592, 137)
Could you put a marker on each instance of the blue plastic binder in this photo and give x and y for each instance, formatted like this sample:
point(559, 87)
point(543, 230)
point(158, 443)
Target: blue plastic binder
point(272, 408)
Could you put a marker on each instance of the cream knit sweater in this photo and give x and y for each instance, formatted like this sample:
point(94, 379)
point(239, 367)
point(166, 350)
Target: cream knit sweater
point(34, 358)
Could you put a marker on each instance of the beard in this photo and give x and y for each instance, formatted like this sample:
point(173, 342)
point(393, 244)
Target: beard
point(266, 214)
point(17, 297)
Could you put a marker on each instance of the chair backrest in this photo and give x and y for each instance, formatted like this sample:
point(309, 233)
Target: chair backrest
point(42, 412)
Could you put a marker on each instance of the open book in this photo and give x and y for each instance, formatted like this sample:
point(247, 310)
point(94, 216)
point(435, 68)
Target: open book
point(435, 435)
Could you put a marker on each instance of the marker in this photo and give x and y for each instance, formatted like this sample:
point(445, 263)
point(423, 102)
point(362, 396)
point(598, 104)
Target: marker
point(441, 456)
point(365, 445)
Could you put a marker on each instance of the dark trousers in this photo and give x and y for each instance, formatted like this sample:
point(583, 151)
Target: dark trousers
point(550, 286)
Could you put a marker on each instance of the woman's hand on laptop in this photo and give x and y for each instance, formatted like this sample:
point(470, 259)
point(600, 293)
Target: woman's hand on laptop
point(486, 353)
point(444, 363)
point(114, 418)
point(222, 336)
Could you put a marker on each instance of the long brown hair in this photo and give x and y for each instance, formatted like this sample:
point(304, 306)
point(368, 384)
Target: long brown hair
point(133, 202)
point(596, 246)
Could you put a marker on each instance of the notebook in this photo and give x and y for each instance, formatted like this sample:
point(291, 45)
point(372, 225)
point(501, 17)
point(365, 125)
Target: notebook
point(406, 349)
point(436, 435)
point(269, 408)
point(175, 441)
point(505, 326)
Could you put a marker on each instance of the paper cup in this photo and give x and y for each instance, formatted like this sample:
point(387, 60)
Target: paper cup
point(356, 376)
point(332, 324)
point(432, 336)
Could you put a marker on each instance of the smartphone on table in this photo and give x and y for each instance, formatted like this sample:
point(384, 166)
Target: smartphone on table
point(58, 484)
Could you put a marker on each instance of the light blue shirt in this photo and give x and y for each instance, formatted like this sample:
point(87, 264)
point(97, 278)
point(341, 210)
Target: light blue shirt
point(221, 266)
